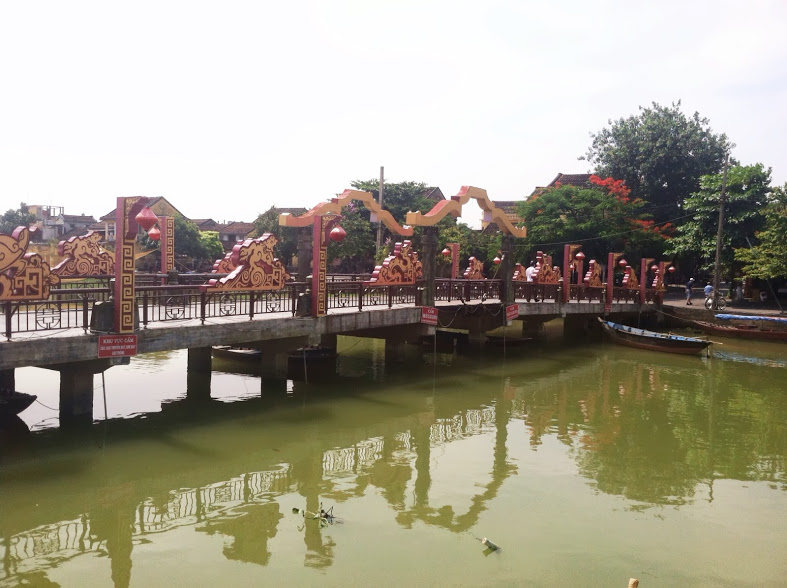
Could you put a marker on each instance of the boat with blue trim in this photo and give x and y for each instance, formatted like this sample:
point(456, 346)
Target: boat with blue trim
point(653, 341)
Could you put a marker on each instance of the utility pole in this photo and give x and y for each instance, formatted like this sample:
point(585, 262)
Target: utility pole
point(380, 222)
point(722, 198)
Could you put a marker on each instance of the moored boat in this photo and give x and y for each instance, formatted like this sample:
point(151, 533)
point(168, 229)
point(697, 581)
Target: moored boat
point(651, 340)
point(762, 328)
point(12, 402)
point(238, 353)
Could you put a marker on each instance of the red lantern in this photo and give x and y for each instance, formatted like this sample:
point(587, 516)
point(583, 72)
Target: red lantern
point(671, 269)
point(154, 234)
point(146, 218)
point(580, 256)
point(654, 267)
point(338, 234)
point(496, 261)
point(623, 263)
point(446, 252)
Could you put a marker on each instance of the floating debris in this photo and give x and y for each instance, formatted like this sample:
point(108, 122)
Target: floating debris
point(490, 544)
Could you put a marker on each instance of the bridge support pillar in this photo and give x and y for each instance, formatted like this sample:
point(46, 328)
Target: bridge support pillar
point(200, 360)
point(477, 337)
point(395, 352)
point(531, 328)
point(7, 380)
point(76, 395)
point(329, 340)
point(576, 326)
point(197, 385)
point(274, 365)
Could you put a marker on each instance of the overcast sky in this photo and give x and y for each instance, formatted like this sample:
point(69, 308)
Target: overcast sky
point(228, 108)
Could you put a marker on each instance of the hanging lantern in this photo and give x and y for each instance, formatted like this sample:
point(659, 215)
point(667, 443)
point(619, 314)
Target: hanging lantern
point(580, 256)
point(654, 268)
point(146, 218)
point(623, 263)
point(446, 252)
point(671, 269)
point(154, 233)
point(496, 260)
point(338, 234)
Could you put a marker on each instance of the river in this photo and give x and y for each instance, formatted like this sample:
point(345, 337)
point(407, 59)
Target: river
point(586, 463)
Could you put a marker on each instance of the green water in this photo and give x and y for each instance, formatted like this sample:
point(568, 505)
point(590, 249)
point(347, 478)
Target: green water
point(587, 464)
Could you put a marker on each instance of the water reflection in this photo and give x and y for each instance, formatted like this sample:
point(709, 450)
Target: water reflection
point(434, 445)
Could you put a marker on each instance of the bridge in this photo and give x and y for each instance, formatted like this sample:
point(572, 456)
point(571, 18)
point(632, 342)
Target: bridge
point(91, 320)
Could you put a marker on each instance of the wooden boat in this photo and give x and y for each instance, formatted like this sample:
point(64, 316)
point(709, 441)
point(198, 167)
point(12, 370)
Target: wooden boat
point(642, 339)
point(762, 328)
point(12, 402)
point(236, 353)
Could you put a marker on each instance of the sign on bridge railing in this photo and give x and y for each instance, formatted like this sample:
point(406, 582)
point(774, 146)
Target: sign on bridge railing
point(429, 315)
point(117, 345)
point(512, 312)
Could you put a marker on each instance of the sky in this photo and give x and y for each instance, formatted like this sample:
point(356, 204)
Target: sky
point(228, 108)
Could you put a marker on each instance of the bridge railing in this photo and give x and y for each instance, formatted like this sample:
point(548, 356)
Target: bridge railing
point(448, 290)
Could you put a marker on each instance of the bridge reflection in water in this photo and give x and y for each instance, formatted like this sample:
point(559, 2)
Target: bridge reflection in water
point(438, 453)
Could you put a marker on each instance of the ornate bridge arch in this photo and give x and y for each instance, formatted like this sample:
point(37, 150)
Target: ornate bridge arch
point(453, 206)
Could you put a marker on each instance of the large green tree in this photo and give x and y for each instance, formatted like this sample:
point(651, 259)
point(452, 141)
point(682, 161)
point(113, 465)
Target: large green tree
point(12, 219)
point(602, 218)
point(661, 154)
point(746, 194)
point(768, 257)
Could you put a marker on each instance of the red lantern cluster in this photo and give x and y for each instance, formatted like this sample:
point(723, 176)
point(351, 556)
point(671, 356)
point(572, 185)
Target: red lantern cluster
point(147, 219)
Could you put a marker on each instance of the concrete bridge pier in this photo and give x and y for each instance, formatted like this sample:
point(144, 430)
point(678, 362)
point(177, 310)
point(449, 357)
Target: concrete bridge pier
point(199, 367)
point(532, 329)
point(395, 352)
point(76, 390)
point(576, 326)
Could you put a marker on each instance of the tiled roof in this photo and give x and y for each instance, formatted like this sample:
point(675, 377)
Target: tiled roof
point(237, 228)
point(571, 180)
point(433, 193)
point(78, 218)
point(507, 206)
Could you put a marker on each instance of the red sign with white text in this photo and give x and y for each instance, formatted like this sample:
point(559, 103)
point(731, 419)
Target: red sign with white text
point(117, 345)
point(429, 315)
point(512, 312)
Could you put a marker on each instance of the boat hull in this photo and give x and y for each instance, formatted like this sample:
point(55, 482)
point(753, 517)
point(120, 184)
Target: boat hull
point(12, 403)
point(652, 341)
point(742, 332)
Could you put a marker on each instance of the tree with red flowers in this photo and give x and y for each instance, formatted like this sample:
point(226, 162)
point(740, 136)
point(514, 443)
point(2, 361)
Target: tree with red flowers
point(602, 216)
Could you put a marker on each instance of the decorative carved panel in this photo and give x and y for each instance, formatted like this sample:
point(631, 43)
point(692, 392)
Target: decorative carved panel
point(475, 269)
point(84, 256)
point(401, 267)
point(594, 276)
point(519, 273)
point(630, 280)
point(23, 276)
point(546, 273)
point(255, 267)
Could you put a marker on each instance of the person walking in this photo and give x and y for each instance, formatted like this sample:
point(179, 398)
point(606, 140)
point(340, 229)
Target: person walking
point(689, 284)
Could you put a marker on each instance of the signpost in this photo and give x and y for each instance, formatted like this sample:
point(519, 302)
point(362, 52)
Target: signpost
point(117, 345)
point(429, 315)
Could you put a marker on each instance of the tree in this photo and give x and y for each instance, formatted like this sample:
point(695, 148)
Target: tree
point(603, 218)
point(747, 192)
point(16, 218)
point(398, 199)
point(357, 250)
point(768, 258)
point(661, 154)
point(189, 241)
